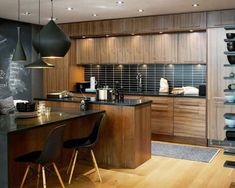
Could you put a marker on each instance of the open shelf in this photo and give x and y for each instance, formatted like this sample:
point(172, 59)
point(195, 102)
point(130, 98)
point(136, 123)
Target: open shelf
point(229, 27)
point(229, 78)
point(229, 40)
point(230, 53)
point(229, 103)
point(229, 164)
point(229, 90)
point(229, 65)
point(227, 128)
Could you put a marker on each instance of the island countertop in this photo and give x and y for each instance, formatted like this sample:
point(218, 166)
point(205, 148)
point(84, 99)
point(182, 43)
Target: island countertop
point(92, 100)
point(10, 123)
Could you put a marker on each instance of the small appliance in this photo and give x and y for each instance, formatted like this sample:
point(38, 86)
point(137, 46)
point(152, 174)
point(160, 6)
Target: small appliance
point(82, 86)
point(104, 94)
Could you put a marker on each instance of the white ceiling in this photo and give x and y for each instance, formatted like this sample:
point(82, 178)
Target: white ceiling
point(105, 9)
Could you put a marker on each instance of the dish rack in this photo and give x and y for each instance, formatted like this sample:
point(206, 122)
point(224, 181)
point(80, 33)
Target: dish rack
point(230, 148)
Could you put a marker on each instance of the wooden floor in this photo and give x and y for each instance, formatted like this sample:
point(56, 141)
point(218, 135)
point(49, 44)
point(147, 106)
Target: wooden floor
point(158, 172)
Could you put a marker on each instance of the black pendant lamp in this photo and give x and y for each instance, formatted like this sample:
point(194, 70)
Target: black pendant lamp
point(39, 63)
point(54, 42)
point(19, 53)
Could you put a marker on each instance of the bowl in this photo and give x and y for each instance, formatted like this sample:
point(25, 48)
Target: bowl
point(230, 98)
point(231, 47)
point(25, 107)
point(231, 59)
point(230, 35)
point(229, 119)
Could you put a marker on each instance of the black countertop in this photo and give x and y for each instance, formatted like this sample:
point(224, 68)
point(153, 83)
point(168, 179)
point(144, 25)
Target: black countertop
point(11, 124)
point(92, 100)
point(152, 94)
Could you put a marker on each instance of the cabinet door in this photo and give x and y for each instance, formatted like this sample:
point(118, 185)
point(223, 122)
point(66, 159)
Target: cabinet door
point(190, 117)
point(188, 21)
point(163, 48)
point(112, 50)
point(128, 50)
point(90, 51)
point(162, 115)
point(163, 23)
point(104, 51)
point(220, 18)
point(192, 48)
point(82, 56)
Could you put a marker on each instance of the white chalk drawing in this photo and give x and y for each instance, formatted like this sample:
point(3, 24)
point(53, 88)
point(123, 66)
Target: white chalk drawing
point(14, 77)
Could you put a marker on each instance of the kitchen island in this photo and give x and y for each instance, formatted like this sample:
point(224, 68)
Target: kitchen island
point(125, 140)
point(20, 136)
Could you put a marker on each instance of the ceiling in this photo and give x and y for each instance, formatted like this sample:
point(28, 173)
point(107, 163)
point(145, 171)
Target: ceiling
point(105, 9)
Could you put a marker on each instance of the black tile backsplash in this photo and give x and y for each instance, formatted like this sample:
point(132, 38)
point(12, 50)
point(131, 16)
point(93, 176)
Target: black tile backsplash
point(177, 75)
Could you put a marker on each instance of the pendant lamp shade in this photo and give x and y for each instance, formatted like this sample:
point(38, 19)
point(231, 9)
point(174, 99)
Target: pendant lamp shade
point(19, 54)
point(39, 64)
point(53, 41)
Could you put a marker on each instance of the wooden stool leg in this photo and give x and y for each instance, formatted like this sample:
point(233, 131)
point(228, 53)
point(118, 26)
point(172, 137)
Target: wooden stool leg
point(38, 177)
point(74, 162)
point(43, 177)
point(95, 164)
point(58, 175)
point(71, 161)
point(25, 175)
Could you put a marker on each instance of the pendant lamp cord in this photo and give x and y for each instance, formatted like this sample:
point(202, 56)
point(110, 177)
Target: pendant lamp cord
point(18, 10)
point(52, 13)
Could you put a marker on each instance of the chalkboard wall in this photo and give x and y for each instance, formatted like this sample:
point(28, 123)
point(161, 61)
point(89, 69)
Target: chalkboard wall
point(15, 80)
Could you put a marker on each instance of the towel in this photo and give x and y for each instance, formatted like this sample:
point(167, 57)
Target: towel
point(189, 90)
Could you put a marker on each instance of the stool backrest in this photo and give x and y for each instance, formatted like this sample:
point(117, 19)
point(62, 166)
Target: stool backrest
point(93, 137)
point(53, 146)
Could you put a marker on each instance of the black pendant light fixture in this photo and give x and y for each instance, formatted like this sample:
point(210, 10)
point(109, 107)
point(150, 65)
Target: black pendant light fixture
point(54, 42)
point(19, 53)
point(39, 63)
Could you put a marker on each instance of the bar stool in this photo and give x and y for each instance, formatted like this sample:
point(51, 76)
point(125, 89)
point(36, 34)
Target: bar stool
point(48, 155)
point(86, 142)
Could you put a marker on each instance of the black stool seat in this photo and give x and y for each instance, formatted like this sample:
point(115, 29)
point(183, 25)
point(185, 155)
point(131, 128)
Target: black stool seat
point(78, 143)
point(31, 157)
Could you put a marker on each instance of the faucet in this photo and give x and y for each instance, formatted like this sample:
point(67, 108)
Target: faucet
point(139, 80)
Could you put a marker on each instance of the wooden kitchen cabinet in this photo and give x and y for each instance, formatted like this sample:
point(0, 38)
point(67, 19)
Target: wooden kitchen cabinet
point(163, 48)
point(161, 115)
point(192, 48)
point(220, 18)
point(163, 23)
point(190, 117)
point(190, 21)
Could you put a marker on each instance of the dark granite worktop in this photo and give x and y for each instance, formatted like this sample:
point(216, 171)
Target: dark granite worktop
point(152, 94)
point(92, 100)
point(11, 124)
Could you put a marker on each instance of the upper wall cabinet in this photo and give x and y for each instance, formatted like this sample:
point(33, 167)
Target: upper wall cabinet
point(220, 18)
point(163, 49)
point(192, 48)
point(163, 23)
point(190, 21)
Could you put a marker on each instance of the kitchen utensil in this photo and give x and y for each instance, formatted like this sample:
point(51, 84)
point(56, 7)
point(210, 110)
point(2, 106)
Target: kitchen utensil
point(104, 94)
point(231, 86)
point(230, 35)
point(231, 59)
point(229, 119)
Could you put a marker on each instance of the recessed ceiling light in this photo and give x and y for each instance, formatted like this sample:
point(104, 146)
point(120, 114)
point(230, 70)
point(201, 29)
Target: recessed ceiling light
point(120, 2)
point(160, 32)
point(69, 8)
point(94, 15)
point(26, 13)
point(83, 37)
point(191, 30)
point(140, 10)
point(195, 5)
point(107, 35)
point(132, 33)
